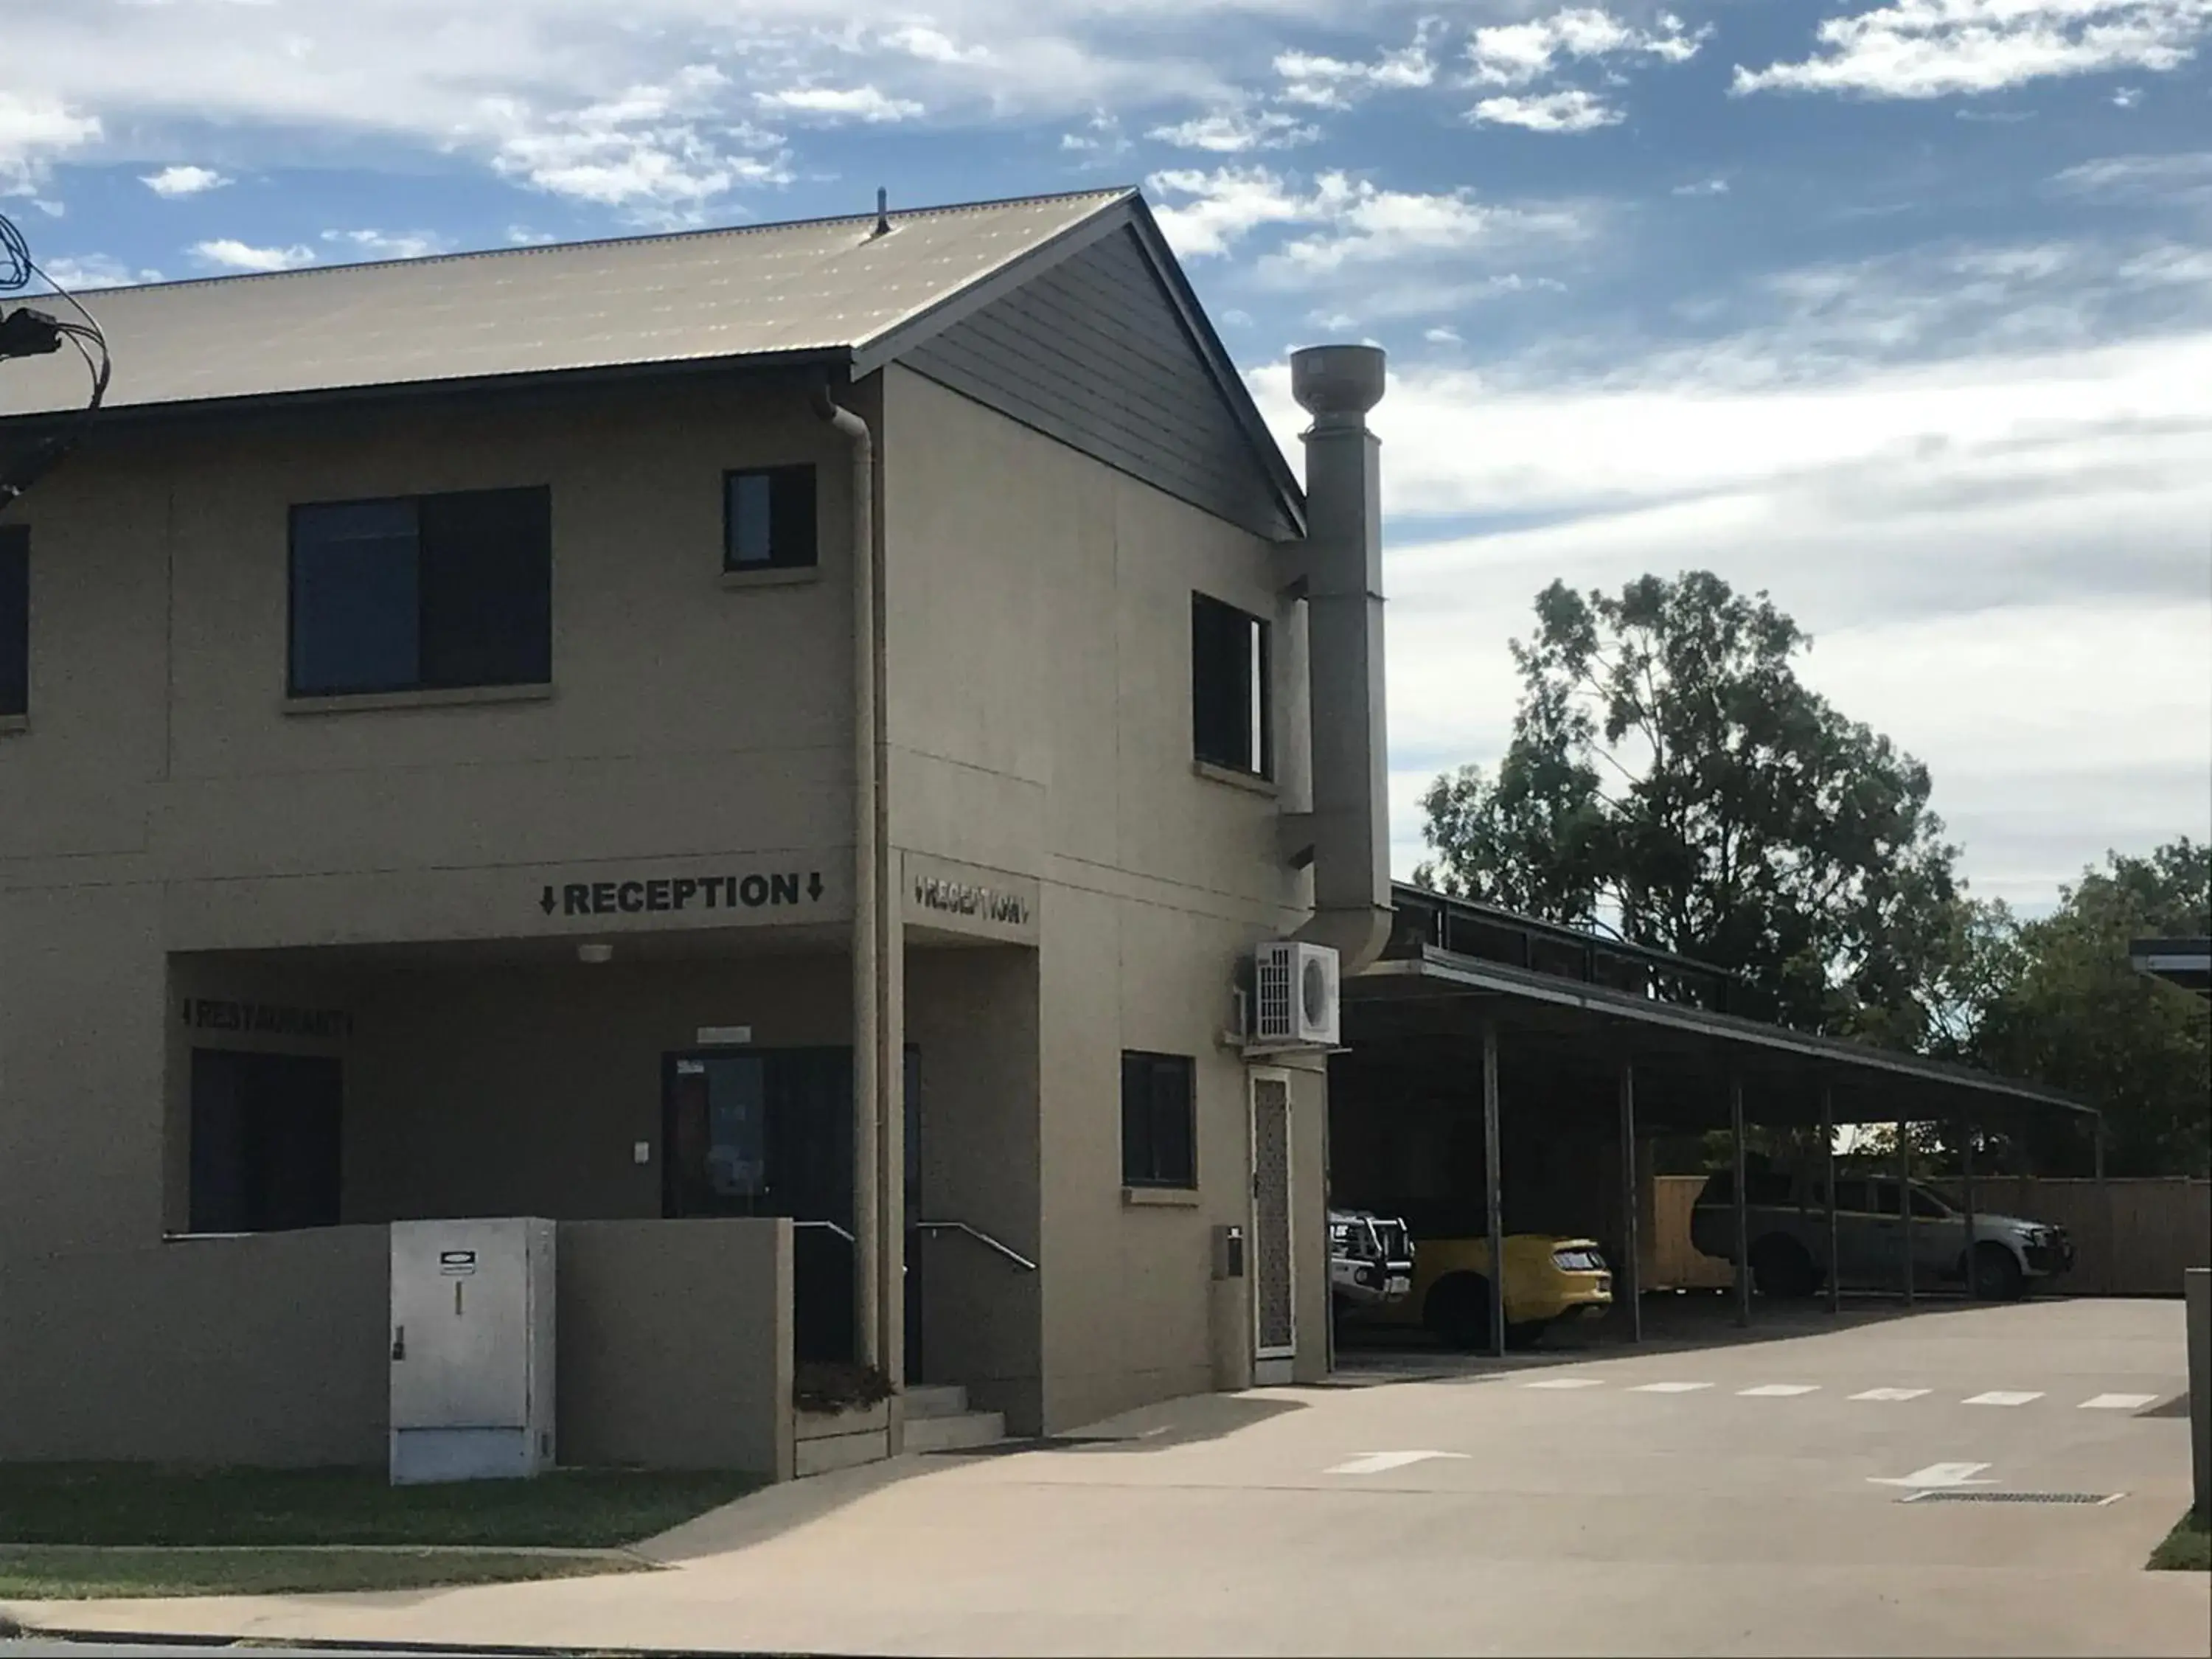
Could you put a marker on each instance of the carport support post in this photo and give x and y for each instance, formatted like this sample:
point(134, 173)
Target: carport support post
point(1966, 1196)
point(2104, 1275)
point(1629, 1270)
point(1828, 1148)
point(1742, 1205)
point(1904, 1200)
point(1493, 1187)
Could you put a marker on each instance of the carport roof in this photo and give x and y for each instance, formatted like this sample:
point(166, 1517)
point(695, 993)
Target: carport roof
point(1425, 995)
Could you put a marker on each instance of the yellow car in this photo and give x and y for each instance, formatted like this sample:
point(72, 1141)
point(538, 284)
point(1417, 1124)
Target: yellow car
point(1548, 1279)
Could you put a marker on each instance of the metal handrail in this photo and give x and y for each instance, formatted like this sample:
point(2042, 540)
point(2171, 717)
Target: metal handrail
point(830, 1225)
point(980, 1238)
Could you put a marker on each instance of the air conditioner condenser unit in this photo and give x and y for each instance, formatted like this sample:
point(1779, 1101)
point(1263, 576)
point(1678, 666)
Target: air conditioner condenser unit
point(1294, 996)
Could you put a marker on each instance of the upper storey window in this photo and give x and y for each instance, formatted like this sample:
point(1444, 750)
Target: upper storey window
point(1229, 687)
point(422, 592)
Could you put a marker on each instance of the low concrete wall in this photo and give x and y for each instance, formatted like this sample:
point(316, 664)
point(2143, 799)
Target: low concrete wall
point(270, 1350)
point(675, 1345)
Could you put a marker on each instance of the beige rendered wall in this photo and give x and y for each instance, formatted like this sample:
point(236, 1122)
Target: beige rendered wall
point(1038, 657)
point(522, 1089)
point(165, 797)
point(674, 1342)
point(266, 1350)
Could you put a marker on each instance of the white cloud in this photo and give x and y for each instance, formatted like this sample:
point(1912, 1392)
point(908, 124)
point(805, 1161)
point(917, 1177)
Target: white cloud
point(1930, 48)
point(1225, 206)
point(2126, 97)
point(385, 245)
point(1571, 111)
point(1703, 187)
point(1234, 132)
point(1367, 225)
point(1321, 82)
point(33, 130)
point(658, 151)
point(93, 270)
point(934, 45)
point(1101, 137)
point(228, 253)
point(174, 181)
point(1518, 54)
point(2177, 176)
point(863, 103)
point(1442, 335)
point(1357, 223)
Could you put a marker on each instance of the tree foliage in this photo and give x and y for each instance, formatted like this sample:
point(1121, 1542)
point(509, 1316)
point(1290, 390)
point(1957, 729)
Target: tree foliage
point(2072, 1013)
point(1670, 776)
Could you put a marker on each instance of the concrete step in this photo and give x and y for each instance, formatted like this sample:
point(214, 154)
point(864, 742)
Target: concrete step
point(935, 1399)
point(927, 1434)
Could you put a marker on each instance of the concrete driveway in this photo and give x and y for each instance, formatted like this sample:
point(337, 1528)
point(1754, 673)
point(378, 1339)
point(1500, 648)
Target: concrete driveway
point(1743, 1498)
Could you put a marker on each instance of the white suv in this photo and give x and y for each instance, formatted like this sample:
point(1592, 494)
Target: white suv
point(1788, 1237)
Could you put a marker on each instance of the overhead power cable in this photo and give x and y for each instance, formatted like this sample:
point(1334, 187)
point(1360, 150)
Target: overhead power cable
point(32, 332)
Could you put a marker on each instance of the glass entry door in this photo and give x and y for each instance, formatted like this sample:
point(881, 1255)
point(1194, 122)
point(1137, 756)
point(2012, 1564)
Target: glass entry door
point(759, 1132)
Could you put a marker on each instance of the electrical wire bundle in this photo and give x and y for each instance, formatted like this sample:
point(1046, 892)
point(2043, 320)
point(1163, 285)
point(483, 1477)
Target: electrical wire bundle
point(25, 333)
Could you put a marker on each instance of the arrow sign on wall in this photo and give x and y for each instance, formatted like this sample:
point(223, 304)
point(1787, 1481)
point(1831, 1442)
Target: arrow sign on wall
point(1935, 1474)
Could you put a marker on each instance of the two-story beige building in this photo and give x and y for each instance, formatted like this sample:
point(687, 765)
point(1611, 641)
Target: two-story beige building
point(771, 748)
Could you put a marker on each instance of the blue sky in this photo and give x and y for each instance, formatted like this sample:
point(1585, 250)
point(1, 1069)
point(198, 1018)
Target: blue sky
point(1902, 312)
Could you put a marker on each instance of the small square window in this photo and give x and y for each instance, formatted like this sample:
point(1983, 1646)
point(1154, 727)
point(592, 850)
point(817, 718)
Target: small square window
point(15, 620)
point(1158, 1123)
point(767, 518)
point(1229, 725)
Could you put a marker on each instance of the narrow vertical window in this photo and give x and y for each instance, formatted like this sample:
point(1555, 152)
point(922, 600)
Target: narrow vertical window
point(1230, 716)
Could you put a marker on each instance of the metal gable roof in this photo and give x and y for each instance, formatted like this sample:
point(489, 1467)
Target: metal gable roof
point(817, 288)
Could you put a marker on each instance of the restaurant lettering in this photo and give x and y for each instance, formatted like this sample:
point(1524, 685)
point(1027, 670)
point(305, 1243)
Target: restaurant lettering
point(266, 1019)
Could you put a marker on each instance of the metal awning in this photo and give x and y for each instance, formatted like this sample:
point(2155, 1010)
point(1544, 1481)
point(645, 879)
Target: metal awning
point(1577, 1005)
point(2184, 962)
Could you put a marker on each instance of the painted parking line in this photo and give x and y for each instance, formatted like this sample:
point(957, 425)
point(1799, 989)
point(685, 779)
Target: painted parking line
point(1566, 1383)
point(2117, 1402)
point(1891, 1394)
point(1377, 1462)
point(1668, 1388)
point(1777, 1390)
point(2005, 1397)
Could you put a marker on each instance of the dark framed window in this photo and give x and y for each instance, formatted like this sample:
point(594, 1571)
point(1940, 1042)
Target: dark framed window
point(1159, 1130)
point(767, 518)
point(265, 1141)
point(422, 592)
point(1230, 719)
point(15, 619)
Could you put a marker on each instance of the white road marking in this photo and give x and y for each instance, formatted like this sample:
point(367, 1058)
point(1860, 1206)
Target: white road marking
point(2117, 1402)
point(1777, 1390)
point(2005, 1397)
point(1566, 1383)
point(1891, 1394)
point(1936, 1475)
point(1668, 1388)
point(1376, 1463)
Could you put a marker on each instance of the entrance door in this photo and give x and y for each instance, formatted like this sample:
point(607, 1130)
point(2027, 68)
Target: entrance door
point(1274, 1292)
point(265, 1142)
point(766, 1132)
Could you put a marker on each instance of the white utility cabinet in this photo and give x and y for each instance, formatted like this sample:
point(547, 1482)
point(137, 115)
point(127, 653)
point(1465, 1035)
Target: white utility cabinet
point(471, 1349)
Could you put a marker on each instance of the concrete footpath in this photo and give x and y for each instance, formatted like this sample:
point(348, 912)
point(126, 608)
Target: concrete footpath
point(1744, 1498)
